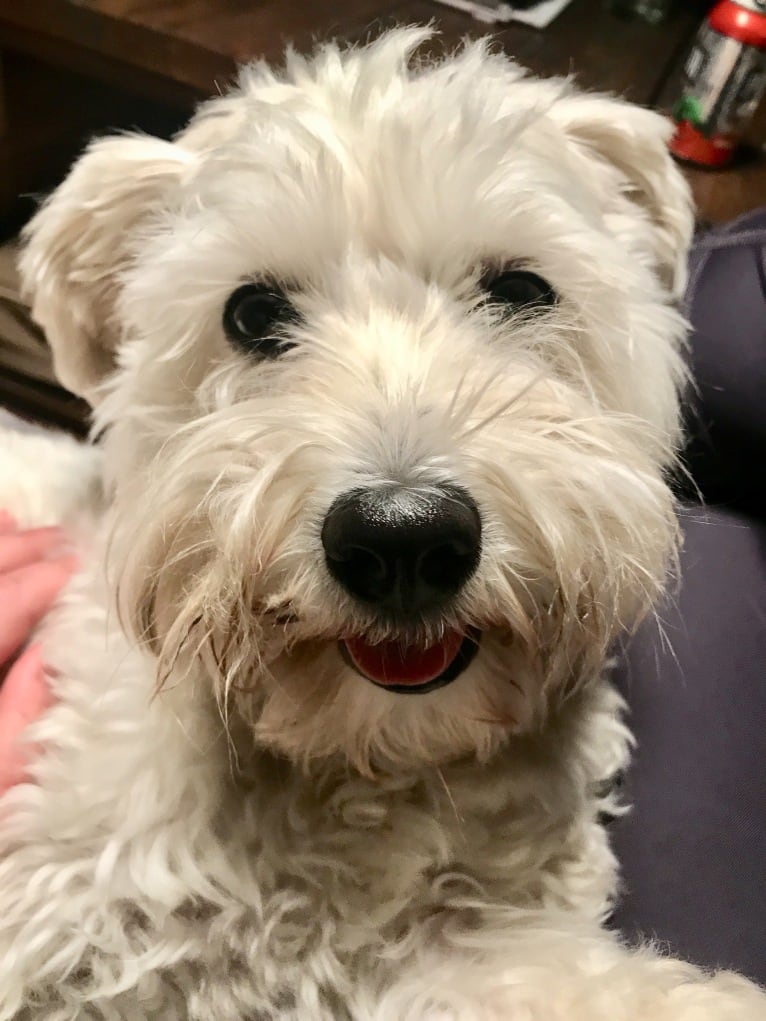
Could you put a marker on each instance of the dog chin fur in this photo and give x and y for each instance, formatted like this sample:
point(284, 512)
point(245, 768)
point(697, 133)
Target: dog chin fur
point(224, 820)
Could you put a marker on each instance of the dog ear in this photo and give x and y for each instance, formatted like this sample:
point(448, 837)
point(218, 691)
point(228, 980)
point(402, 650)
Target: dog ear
point(79, 244)
point(630, 144)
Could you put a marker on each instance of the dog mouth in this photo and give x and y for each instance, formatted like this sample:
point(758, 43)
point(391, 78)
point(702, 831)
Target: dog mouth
point(411, 669)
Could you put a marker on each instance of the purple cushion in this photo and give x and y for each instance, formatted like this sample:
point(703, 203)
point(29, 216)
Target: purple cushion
point(693, 849)
point(726, 301)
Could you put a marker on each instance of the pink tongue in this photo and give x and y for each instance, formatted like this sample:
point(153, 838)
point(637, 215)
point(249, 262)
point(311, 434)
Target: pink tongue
point(390, 663)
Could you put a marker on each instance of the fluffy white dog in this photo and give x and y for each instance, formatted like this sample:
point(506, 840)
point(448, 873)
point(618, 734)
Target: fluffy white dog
point(386, 361)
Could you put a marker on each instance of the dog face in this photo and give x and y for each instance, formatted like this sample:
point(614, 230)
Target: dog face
point(387, 363)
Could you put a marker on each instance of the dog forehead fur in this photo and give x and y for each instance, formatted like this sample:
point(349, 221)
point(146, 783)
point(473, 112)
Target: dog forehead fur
point(267, 835)
point(359, 180)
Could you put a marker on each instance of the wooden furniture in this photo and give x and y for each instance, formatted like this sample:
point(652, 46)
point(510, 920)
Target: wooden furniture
point(178, 49)
point(71, 68)
point(174, 52)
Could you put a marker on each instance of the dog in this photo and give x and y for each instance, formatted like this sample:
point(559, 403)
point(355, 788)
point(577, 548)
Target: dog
point(385, 357)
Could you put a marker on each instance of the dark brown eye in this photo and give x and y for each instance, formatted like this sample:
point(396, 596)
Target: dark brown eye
point(254, 319)
point(521, 288)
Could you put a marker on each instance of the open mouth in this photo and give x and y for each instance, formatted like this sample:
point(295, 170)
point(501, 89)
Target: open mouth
point(411, 669)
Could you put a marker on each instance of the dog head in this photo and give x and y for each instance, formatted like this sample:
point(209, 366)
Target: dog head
point(387, 361)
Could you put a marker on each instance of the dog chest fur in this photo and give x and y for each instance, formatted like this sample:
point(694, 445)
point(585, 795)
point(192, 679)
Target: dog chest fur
point(181, 866)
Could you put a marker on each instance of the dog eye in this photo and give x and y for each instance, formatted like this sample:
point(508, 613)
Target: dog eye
point(521, 289)
point(252, 317)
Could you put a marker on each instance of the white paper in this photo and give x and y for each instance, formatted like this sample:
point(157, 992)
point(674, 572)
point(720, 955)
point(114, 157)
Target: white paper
point(491, 13)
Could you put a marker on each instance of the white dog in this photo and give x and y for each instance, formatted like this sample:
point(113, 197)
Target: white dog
point(386, 361)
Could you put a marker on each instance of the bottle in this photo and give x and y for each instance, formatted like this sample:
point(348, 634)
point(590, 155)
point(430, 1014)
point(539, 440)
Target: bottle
point(724, 79)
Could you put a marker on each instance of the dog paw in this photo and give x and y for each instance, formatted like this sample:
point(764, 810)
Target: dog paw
point(724, 997)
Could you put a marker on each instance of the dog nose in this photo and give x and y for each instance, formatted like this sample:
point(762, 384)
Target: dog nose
point(403, 549)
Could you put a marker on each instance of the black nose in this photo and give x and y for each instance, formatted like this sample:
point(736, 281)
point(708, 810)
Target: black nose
point(403, 549)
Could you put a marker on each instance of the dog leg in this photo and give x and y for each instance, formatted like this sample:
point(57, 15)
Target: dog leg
point(560, 975)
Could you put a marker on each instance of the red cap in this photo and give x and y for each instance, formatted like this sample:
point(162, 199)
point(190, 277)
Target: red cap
point(690, 144)
point(737, 22)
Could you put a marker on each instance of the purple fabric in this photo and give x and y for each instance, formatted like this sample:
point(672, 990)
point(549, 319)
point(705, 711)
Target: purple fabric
point(726, 301)
point(693, 849)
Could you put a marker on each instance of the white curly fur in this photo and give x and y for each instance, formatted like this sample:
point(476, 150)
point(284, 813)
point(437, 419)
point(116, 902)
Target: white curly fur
point(227, 823)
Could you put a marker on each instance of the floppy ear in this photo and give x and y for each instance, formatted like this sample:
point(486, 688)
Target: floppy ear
point(630, 146)
point(79, 243)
